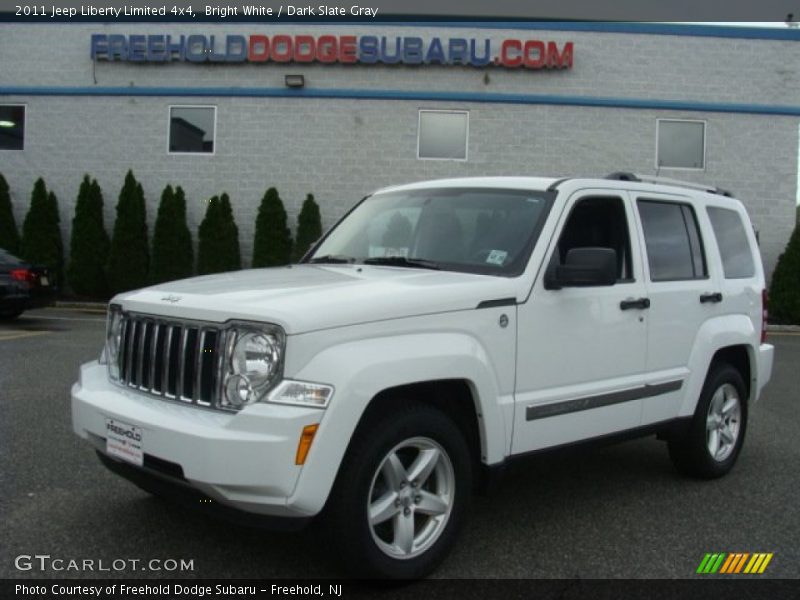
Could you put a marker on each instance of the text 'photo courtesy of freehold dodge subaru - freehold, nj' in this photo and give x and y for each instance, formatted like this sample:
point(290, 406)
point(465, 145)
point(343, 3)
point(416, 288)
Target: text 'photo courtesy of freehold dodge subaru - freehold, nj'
point(439, 330)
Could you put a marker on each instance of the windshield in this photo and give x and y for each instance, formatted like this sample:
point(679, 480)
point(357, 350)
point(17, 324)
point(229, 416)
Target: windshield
point(476, 230)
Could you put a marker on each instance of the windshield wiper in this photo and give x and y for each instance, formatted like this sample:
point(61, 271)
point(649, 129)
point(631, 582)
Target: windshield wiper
point(402, 261)
point(335, 259)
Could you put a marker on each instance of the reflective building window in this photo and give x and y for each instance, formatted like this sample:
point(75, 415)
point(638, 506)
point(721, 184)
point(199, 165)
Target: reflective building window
point(443, 134)
point(12, 127)
point(681, 144)
point(192, 129)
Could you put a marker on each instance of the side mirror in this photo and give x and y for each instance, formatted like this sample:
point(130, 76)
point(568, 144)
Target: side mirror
point(584, 267)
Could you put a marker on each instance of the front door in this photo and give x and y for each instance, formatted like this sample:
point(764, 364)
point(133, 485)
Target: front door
point(581, 351)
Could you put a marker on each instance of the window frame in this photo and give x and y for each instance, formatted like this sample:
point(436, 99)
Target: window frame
point(683, 206)
point(442, 110)
point(169, 129)
point(704, 122)
point(24, 107)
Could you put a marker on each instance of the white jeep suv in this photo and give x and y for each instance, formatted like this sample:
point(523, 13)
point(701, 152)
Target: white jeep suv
point(439, 330)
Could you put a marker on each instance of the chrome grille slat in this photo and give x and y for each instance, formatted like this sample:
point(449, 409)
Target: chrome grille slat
point(153, 350)
point(182, 361)
point(169, 359)
point(198, 365)
point(129, 354)
point(165, 369)
point(140, 356)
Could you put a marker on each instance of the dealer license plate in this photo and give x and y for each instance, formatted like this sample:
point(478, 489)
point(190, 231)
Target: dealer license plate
point(124, 441)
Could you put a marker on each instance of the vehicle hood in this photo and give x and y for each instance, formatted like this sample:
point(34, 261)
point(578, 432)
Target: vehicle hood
point(303, 298)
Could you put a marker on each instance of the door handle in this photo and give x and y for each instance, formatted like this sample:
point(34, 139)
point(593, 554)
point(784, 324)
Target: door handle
point(711, 297)
point(640, 303)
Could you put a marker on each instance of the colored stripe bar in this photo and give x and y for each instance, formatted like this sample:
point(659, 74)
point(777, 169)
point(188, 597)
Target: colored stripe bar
point(731, 560)
point(766, 562)
point(717, 565)
point(741, 562)
point(703, 563)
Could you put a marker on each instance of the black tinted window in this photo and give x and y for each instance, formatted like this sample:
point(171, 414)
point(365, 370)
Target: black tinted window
point(674, 247)
point(737, 258)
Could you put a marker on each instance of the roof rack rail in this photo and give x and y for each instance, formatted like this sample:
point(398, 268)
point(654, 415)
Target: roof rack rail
point(626, 176)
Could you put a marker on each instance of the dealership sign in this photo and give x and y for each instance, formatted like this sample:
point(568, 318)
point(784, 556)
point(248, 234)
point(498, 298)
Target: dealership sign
point(341, 49)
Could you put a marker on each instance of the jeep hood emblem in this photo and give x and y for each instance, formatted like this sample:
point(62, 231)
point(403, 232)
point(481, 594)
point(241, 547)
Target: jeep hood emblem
point(171, 298)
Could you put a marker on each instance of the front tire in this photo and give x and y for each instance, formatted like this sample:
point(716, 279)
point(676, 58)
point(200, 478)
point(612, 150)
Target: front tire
point(711, 445)
point(401, 494)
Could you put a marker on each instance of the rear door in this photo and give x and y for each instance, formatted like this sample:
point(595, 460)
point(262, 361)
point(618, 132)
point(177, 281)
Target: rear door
point(682, 292)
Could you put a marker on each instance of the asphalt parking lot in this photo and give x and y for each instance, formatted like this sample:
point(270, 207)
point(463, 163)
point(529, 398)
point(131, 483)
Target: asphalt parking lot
point(615, 512)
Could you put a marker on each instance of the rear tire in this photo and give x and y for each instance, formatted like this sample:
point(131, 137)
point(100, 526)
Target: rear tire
point(401, 494)
point(710, 446)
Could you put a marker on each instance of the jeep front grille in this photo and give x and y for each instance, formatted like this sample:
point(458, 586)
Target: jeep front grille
point(176, 360)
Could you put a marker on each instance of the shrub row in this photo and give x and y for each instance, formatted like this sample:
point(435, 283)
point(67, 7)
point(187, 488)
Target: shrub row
point(100, 266)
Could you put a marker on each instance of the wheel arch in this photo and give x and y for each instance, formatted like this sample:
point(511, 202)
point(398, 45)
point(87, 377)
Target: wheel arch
point(450, 371)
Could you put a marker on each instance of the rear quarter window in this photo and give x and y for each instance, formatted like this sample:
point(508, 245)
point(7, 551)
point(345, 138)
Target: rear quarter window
point(734, 246)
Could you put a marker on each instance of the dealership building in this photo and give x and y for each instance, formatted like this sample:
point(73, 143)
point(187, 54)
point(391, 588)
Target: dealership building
point(338, 110)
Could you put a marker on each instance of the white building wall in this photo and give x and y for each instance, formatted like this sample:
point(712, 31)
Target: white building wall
point(341, 149)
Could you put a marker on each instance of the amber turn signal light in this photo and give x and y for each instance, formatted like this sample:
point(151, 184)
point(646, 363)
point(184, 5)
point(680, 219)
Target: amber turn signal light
point(304, 445)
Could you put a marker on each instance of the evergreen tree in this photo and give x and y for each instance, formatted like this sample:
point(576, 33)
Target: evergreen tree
point(272, 245)
point(172, 243)
point(128, 258)
point(9, 237)
point(89, 243)
point(41, 233)
point(784, 292)
point(218, 238)
point(309, 227)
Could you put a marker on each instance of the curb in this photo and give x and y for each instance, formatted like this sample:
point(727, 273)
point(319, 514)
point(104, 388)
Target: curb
point(783, 328)
point(82, 305)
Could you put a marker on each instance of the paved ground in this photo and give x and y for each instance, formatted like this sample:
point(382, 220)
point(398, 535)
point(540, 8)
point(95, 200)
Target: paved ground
point(621, 511)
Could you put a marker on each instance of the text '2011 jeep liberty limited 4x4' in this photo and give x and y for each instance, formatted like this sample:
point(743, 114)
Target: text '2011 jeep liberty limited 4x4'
point(439, 329)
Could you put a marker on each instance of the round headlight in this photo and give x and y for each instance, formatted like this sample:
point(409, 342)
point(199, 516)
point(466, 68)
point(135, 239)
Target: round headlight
point(238, 391)
point(255, 356)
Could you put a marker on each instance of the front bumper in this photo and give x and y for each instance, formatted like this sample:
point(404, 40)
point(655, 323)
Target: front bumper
point(243, 460)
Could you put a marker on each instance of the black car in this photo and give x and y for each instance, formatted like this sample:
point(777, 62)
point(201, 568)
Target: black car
point(23, 286)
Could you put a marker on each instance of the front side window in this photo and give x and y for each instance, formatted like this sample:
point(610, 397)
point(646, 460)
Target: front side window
point(192, 129)
point(737, 258)
point(597, 222)
point(443, 134)
point(681, 144)
point(473, 230)
point(672, 238)
point(12, 127)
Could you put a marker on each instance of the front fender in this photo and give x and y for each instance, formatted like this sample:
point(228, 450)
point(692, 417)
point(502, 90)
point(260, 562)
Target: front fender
point(359, 370)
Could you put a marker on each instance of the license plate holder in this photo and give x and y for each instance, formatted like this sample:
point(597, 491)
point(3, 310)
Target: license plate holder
point(124, 441)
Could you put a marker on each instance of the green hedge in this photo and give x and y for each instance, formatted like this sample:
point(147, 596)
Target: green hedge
point(129, 257)
point(784, 291)
point(218, 239)
point(41, 232)
point(309, 227)
point(9, 236)
point(89, 243)
point(173, 257)
point(272, 244)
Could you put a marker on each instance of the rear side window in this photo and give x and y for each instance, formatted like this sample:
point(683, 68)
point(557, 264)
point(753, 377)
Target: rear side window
point(737, 256)
point(674, 246)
